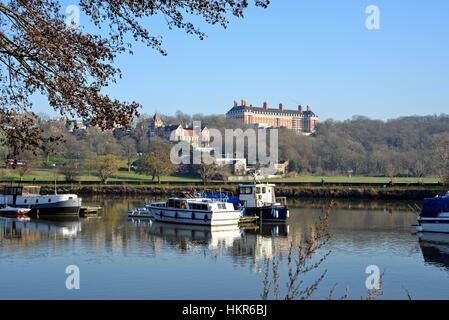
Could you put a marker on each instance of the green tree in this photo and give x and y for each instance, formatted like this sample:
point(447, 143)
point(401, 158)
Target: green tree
point(106, 166)
point(156, 163)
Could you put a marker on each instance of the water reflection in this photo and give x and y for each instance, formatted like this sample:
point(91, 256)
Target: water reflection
point(254, 241)
point(435, 249)
point(124, 258)
point(37, 228)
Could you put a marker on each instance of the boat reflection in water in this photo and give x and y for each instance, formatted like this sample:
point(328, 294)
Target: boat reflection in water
point(17, 227)
point(435, 248)
point(257, 241)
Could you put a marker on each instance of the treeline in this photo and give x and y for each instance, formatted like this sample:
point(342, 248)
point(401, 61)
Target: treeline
point(409, 146)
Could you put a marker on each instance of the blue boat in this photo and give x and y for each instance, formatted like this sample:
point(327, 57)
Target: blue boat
point(434, 216)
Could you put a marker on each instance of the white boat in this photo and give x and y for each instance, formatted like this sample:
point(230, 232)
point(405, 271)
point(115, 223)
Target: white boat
point(434, 215)
point(197, 211)
point(41, 205)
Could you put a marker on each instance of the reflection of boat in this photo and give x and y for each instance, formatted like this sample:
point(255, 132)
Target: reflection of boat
point(197, 211)
point(143, 212)
point(13, 212)
point(41, 205)
point(435, 248)
point(434, 216)
point(65, 228)
point(195, 232)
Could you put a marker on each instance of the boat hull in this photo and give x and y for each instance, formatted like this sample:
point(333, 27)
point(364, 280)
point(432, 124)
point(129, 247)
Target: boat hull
point(269, 214)
point(196, 218)
point(439, 225)
point(68, 208)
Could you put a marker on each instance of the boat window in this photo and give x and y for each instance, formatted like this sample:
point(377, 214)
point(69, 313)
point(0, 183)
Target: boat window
point(25, 201)
point(37, 200)
point(49, 199)
point(170, 203)
point(246, 190)
point(258, 190)
point(183, 204)
point(177, 204)
point(264, 190)
point(221, 206)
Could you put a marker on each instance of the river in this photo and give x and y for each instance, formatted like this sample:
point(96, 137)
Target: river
point(119, 258)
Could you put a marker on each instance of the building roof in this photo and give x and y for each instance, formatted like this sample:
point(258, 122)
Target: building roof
point(272, 110)
point(157, 117)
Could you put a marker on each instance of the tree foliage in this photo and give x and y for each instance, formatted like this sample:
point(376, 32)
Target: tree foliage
point(106, 166)
point(157, 163)
point(40, 53)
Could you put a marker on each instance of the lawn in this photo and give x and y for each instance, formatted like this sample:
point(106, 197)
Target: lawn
point(51, 174)
point(346, 179)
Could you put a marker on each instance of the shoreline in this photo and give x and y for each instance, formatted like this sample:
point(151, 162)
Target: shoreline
point(293, 192)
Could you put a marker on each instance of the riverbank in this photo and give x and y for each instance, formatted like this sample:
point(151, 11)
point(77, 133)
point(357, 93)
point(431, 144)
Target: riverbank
point(401, 192)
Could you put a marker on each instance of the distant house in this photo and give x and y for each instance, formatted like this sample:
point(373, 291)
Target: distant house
point(196, 136)
point(73, 125)
point(238, 165)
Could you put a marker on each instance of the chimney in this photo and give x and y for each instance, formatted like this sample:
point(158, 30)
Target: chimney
point(265, 105)
point(300, 108)
point(243, 103)
point(281, 107)
point(308, 108)
point(235, 103)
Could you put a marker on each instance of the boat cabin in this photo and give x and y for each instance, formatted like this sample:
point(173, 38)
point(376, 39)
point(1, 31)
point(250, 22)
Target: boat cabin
point(25, 191)
point(257, 195)
point(195, 204)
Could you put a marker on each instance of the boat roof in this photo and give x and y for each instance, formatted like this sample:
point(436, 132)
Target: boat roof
point(257, 185)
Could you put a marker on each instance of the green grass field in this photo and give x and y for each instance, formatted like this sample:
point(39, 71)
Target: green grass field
point(50, 175)
point(345, 179)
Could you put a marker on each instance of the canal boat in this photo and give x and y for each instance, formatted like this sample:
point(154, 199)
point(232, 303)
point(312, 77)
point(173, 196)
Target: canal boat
point(54, 205)
point(434, 216)
point(196, 211)
point(259, 199)
point(256, 200)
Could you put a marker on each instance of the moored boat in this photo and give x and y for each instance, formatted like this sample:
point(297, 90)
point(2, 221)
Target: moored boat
point(13, 212)
point(259, 199)
point(54, 205)
point(197, 211)
point(434, 216)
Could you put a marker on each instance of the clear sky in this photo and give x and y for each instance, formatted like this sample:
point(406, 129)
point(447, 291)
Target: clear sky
point(315, 52)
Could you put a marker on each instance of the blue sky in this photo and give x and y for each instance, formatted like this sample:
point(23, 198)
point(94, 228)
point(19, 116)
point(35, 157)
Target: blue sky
point(300, 52)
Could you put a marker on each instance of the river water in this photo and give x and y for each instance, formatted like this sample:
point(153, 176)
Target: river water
point(118, 258)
